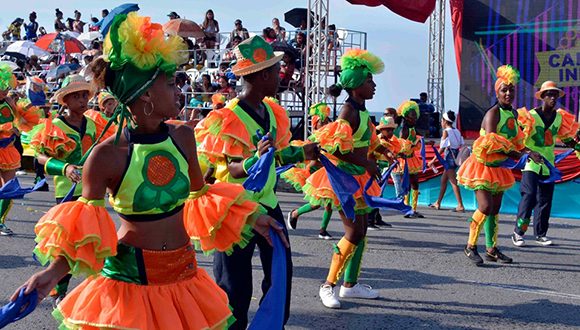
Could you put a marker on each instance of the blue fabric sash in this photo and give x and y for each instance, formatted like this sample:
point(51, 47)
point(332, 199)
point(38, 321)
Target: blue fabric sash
point(13, 190)
point(18, 309)
point(343, 185)
point(270, 314)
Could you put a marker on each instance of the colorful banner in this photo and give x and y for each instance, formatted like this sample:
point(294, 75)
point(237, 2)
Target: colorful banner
point(561, 66)
point(541, 38)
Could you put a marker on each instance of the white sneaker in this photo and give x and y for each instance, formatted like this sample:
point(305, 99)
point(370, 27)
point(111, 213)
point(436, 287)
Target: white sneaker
point(362, 291)
point(518, 240)
point(328, 296)
point(543, 240)
point(20, 173)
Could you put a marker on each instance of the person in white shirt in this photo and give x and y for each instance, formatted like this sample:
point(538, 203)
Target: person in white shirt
point(451, 142)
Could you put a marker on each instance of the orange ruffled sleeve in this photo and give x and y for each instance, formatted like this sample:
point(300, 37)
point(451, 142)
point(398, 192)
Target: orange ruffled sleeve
point(100, 123)
point(219, 217)
point(283, 134)
point(80, 231)
point(492, 149)
point(526, 122)
point(27, 115)
point(222, 134)
point(335, 136)
point(569, 127)
point(52, 141)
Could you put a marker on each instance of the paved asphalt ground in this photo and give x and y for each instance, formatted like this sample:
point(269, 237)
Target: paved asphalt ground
point(418, 266)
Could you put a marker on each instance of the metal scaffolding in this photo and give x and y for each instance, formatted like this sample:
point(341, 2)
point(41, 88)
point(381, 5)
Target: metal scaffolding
point(435, 78)
point(317, 57)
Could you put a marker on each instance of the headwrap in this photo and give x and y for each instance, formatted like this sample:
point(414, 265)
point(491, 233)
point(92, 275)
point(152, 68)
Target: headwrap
point(507, 75)
point(218, 98)
point(406, 107)
point(7, 79)
point(319, 112)
point(356, 64)
point(103, 97)
point(138, 52)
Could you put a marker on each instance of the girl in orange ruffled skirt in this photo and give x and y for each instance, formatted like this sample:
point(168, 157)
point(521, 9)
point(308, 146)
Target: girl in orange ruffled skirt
point(145, 275)
point(500, 138)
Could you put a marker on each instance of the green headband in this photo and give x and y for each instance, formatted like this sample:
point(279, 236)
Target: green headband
point(353, 78)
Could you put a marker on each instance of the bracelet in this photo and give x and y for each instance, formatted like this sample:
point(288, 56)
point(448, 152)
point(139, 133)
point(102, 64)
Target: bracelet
point(55, 166)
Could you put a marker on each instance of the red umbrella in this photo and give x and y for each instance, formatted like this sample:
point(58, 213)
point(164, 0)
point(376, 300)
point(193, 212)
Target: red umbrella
point(183, 28)
point(59, 43)
point(415, 10)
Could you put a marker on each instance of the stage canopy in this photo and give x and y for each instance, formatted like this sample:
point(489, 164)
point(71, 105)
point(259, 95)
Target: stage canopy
point(415, 10)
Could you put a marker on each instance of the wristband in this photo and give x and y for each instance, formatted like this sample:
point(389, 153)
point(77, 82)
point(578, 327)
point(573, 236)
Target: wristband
point(54, 166)
point(249, 162)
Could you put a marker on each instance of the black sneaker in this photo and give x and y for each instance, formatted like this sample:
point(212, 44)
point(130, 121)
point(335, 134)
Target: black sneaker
point(380, 222)
point(324, 235)
point(44, 187)
point(543, 240)
point(372, 226)
point(290, 221)
point(473, 256)
point(495, 255)
point(419, 215)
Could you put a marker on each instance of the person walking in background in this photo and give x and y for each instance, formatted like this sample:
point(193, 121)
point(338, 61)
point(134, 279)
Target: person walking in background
point(451, 142)
point(542, 126)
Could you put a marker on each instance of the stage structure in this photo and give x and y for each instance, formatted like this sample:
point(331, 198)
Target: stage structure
point(436, 72)
point(319, 68)
point(540, 38)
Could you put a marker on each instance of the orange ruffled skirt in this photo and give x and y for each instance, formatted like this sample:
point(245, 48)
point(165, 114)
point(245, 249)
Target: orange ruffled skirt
point(318, 191)
point(475, 175)
point(296, 177)
point(9, 158)
point(141, 289)
point(415, 165)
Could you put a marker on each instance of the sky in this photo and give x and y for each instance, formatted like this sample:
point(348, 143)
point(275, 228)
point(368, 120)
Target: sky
point(401, 43)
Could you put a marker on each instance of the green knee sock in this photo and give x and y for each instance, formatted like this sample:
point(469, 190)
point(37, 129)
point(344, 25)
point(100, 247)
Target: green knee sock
point(62, 285)
point(353, 267)
point(491, 226)
point(325, 219)
point(5, 206)
point(303, 209)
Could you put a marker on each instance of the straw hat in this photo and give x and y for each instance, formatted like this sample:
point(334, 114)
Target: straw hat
point(549, 86)
point(72, 84)
point(253, 55)
point(386, 122)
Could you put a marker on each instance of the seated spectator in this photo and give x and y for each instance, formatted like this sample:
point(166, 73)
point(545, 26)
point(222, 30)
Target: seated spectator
point(287, 70)
point(196, 99)
point(269, 35)
point(207, 88)
point(224, 87)
point(183, 83)
point(93, 25)
point(239, 31)
point(424, 106)
point(280, 31)
point(173, 15)
point(229, 56)
point(35, 91)
point(224, 70)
